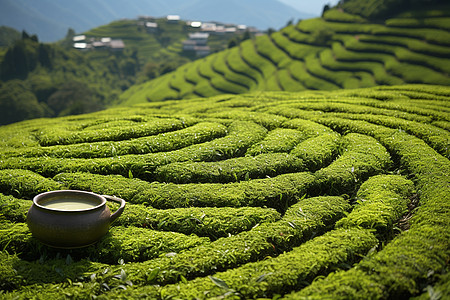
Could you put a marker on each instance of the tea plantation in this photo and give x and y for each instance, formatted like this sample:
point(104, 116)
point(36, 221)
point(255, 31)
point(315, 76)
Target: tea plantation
point(339, 50)
point(309, 195)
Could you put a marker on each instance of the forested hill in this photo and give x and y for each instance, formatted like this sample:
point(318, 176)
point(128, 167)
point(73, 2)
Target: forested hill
point(47, 80)
point(339, 50)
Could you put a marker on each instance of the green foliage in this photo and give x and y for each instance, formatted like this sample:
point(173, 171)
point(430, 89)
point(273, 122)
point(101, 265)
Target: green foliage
point(361, 157)
point(235, 169)
point(213, 222)
point(172, 140)
point(381, 201)
point(314, 194)
point(24, 183)
point(8, 36)
point(318, 151)
point(17, 103)
point(127, 243)
point(381, 9)
point(14, 209)
point(275, 275)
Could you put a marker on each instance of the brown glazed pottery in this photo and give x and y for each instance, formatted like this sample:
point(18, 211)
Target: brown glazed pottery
point(71, 218)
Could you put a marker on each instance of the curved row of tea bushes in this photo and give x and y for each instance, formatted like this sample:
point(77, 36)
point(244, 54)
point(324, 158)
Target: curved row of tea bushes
point(170, 141)
point(268, 121)
point(13, 209)
point(127, 243)
point(241, 135)
point(437, 138)
point(230, 170)
point(25, 183)
point(381, 201)
point(356, 107)
point(319, 151)
point(402, 266)
point(286, 138)
point(212, 222)
point(362, 157)
point(277, 140)
point(57, 135)
point(277, 192)
point(265, 278)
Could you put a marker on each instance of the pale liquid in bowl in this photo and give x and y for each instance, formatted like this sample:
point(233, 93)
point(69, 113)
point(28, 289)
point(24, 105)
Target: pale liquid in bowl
point(70, 204)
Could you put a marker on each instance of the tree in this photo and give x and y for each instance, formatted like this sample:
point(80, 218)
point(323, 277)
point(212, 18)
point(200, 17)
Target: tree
point(74, 98)
point(325, 9)
point(18, 103)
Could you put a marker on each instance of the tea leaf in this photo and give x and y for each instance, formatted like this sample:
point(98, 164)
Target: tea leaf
point(219, 282)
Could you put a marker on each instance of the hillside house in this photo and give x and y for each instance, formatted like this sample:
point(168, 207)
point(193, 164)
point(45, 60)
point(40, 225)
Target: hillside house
point(79, 38)
point(194, 24)
point(174, 19)
point(197, 43)
point(104, 43)
point(116, 45)
point(151, 27)
point(200, 38)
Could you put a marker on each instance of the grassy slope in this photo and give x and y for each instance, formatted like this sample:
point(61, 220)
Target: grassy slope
point(337, 51)
point(251, 195)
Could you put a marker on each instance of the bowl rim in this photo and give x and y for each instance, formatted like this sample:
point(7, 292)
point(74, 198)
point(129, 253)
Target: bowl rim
point(39, 197)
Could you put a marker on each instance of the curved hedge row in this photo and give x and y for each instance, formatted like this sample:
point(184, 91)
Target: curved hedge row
point(338, 194)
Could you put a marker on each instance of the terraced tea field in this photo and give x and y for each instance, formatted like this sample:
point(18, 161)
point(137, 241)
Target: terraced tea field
point(307, 195)
point(337, 51)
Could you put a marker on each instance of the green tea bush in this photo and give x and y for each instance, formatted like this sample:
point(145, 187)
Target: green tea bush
point(127, 243)
point(240, 137)
point(277, 140)
point(236, 64)
point(235, 169)
point(213, 222)
point(381, 201)
point(361, 157)
point(14, 209)
point(57, 135)
point(315, 194)
point(274, 192)
point(318, 151)
point(198, 133)
point(271, 276)
point(24, 183)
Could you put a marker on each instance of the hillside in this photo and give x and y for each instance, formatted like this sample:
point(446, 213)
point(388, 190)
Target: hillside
point(317, 194)
point(50, 20)
point(47, 80)
point(337, 51)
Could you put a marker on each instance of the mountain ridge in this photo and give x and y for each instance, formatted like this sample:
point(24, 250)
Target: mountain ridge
point(50, 20)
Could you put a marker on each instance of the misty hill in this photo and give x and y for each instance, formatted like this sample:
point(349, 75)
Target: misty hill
point(340, 50)
point(50, 20)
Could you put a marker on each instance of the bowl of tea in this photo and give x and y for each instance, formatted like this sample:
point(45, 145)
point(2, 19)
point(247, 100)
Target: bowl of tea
point(71, 218)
